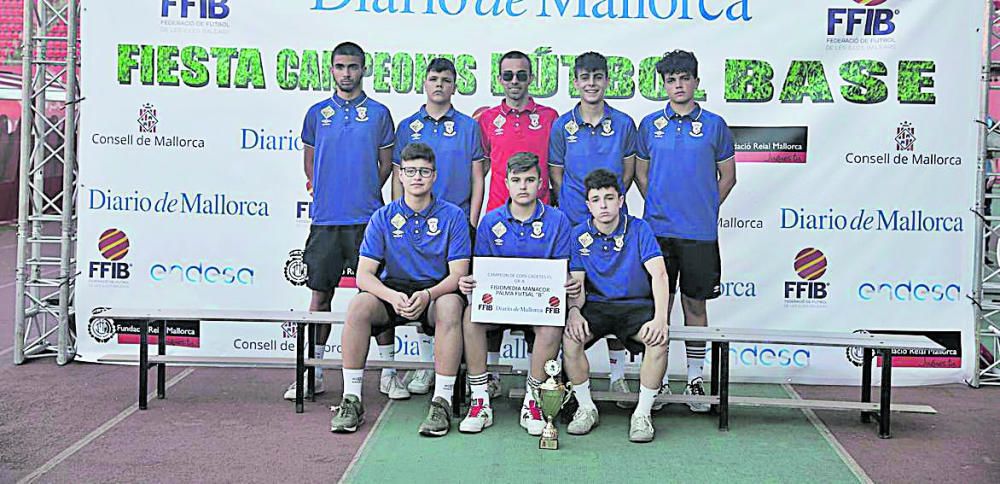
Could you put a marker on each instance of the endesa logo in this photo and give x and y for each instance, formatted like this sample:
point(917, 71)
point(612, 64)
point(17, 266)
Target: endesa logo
point(114, 246)
point(861, 21)
point(810, 265)
point(201, 273)
point(203, 9)
point(770, 356)
point(909, 291)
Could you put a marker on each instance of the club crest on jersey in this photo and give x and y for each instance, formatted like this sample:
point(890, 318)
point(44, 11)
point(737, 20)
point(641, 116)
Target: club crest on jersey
point(362, 114)
point(536, 123)
point(432, 226)
point(660, 123)
point(571, 129)
point(498, 230)
point(327, 113)
point(536, 229)
point(585, 241)
point(449, 128)
point(398, 221)
point(619, 242)
point(696, 129)
point(416, 126)
point(606, 129)
point(499, 121)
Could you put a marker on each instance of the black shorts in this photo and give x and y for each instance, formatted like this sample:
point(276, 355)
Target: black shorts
point(696, 263)
point(330, 250)
point(408, 288)
point(624, 320)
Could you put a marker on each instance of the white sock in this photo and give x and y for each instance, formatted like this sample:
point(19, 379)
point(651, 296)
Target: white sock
point(617, 360)
point(320, 349)
point(529, 383)
point(493, 358)
point(646, 397)
point(426, 348)
point(352, 382)
point(479, 384)
point(444, 386)
point(583, 397)
point(666, 378)
point(695, 368)
point(388, 353)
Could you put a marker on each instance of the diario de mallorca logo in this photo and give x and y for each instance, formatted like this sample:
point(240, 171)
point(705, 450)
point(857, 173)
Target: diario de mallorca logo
point(810, 265)
point(871, 220)
point(149, 134)
point(113, 245)
point(182, 203)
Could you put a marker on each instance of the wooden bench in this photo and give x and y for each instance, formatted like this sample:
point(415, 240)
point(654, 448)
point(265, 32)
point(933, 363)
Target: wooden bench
point(305, 361)
point(719, 398)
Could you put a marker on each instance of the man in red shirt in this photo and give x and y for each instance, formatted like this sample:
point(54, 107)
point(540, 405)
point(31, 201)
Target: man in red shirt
point(517, 124)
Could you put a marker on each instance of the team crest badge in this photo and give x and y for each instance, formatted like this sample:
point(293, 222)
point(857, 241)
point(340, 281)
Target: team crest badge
point(571, 129)
point(449, 128)
point(327, 113)
point(660, 123)
point(536, 230)
point(432, 226)
point(398, 221)
point(535, 121)
point(606, 129)
point(619, 242)
point(362, 114)
point(499, 121)
point(585, 240)
point(498, 230)
point(416, 126)
point(696, 129)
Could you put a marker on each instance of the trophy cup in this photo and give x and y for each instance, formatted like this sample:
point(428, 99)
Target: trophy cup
point(550, 395)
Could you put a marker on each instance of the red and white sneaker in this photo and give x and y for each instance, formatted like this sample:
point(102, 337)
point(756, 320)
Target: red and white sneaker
point(479, 417)
point(531, 418)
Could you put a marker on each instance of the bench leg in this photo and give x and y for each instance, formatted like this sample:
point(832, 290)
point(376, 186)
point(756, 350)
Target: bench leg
point(866, 382)
point(143, 362)
point(300, 341)
point(458, 396)
point(311, 370)
point(161, 368)
point(724, 387)
point(885, 400)
point(714, 386)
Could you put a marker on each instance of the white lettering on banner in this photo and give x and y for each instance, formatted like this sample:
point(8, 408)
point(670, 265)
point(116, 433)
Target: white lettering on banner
point(884, 195)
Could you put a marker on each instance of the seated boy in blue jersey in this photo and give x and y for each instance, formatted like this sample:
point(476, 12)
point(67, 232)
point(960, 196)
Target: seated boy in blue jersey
point(414, 251)
point(617, 258)
point(527, 228)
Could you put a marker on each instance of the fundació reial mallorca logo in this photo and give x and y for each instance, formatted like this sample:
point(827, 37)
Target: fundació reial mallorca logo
point(147, 118)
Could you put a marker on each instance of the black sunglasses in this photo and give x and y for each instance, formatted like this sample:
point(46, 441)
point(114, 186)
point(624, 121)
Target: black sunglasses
point(509, 76)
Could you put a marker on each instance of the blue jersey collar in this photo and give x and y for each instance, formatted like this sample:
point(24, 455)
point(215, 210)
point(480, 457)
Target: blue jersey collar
point(539, 211)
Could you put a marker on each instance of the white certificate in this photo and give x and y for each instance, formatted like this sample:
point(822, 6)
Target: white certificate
point(519, 291)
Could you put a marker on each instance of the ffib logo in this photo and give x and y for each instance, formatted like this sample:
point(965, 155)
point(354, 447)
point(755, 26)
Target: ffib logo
point(113, 245)
point(810, 265)
point(206, 9)
point(861, 21)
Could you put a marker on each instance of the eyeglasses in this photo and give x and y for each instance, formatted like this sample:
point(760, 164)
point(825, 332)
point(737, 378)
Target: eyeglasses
point(509, 76)
point(412, 172)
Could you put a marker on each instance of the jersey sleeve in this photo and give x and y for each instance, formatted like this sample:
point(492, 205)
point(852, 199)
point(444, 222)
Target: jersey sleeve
point(386, 135)
point(725, 147)
point(401, 142)
point(309, 128)
point(484, 243)
point(629, 148)
point(557, 145)
point(642, 147)
point(477, 143)
point(459, 245)
point(649, 248)
point(562, 246)
point(373, 245)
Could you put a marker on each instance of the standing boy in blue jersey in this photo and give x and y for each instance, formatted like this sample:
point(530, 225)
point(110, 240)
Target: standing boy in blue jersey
point(685, 169)
point(414, 251)
point(617, 258)
point(590, 136)
point(457, 143)
point(524, 227)
point(348, 142)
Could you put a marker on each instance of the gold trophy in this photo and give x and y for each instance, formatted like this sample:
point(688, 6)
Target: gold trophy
point(551, 396)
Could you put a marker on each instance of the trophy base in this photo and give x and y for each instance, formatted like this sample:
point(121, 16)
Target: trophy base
point(548, 443)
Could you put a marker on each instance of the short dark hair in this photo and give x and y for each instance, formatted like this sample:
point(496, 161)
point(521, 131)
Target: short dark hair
point(418, 151)
point(522, 162)
point(440, 64)
point(515, 54)
point(590, 61)
point(599, 179)
point(677, 62)
point(349, 48)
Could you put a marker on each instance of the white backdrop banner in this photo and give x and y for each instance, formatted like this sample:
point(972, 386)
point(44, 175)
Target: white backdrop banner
point(856, 133)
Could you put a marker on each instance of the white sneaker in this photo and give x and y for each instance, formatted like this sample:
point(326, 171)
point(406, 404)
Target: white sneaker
point(584, 420)
point(531, 418)
point(641, 429)
point(391, 386)
point(657, 406)
point(621, 386)
point(420, 381)
point(318, 389)
point(480, 416)
point(695, 388)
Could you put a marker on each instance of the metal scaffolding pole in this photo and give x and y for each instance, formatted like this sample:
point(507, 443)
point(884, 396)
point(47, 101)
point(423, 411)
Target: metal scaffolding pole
point(46, 224)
